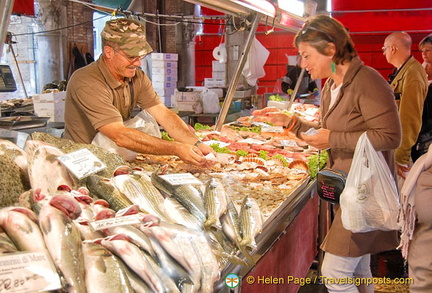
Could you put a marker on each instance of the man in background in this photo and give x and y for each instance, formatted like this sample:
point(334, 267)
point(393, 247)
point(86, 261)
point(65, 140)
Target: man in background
point(409, 83)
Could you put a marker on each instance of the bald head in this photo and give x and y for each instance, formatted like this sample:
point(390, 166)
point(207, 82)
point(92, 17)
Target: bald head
point(397, 48)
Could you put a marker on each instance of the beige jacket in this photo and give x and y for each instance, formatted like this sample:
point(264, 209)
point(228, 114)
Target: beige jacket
point(365, 103)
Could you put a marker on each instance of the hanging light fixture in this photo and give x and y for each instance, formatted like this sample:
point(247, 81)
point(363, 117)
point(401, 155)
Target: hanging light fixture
point(261, 6)
point(292, 6)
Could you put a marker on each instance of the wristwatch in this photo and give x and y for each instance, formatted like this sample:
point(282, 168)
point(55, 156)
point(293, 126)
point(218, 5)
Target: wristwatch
point(198, 143)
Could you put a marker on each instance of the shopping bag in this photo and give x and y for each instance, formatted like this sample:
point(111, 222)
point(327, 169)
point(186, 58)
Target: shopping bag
point(370, 199)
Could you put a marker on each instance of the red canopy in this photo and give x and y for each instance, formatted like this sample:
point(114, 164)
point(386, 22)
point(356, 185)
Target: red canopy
point(23, 7)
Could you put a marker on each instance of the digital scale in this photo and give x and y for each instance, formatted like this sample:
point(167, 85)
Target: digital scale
point(7, 82)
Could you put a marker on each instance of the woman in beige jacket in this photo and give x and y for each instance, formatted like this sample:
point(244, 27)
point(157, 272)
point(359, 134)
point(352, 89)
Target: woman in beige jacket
point(355, 99)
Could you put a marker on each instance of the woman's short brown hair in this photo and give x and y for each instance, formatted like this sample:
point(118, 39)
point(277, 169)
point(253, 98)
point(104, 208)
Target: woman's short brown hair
point(321, 30)
point(426, 40)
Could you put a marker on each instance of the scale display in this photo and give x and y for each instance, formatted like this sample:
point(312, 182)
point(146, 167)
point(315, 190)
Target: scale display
point(7, 82)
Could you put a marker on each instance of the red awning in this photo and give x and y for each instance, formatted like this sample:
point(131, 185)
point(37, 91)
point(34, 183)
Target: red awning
point(23, 7)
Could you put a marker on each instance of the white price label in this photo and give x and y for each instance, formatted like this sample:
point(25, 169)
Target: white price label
point(82, 163)
point(181, 178)
point(114, 222)
point(288, 143)
point(252, 141)
point(28, 272)
point(273, 129)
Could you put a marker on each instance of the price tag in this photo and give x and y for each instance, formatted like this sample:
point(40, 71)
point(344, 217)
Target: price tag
point(181, 178)
point(273, 129)
point(288, 143)
point(82, 163)
point(114, 222)
point(221, 144)
point(28, 272)
point(252, 141)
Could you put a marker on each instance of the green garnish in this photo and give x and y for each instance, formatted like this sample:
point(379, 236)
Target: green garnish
point(276, 98)
point(199, 126)
point(241, 153)
point(256, 129)
point(313, 163)
point(219, 149)
point(281, 158)
point(165, 135)
point(263, 154)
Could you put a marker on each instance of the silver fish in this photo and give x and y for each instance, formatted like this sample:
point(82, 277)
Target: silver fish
point(215, 203)
point(140, 191)
point(63, 239)
point(20, 224)
point(181, 215)
point(186, 194)
point(251, 222)
point(105, 273)
point(104, 189)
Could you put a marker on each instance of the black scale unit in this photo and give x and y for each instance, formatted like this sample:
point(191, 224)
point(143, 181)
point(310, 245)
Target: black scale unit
point(7, 82)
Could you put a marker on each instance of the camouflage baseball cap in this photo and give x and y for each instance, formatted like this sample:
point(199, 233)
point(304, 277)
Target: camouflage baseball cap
point(129, 34)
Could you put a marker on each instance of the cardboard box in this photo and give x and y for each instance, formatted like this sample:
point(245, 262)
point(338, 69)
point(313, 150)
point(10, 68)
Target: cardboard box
point(242, 94)
point(165, 92)
point(217, 66)
point(193, 96)
point(219, 74)
point(164, 78)
point(164, 70)
point(50, 105)
point(214, 82)
point(164, 56)
point(189, 107)
point(164, 64)
point(162, 85)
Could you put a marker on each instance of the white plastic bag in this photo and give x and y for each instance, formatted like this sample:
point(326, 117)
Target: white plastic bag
point(370, 199)
point(143, 121)
point(210, 102)
point(256, 59)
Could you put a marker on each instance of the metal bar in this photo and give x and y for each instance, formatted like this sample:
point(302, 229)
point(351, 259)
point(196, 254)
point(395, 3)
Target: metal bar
point(233, 84)
point(5, 12)
point(299, 81)
point(19, 71)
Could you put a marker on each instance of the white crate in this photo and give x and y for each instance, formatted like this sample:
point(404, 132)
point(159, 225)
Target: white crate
point(161, 85)
point(50, 105)
point(217, 66)
point(218, 91)
point(219, 74)
point(242, 94)
point(164, 78)
point(164, 71)
point(164, 56)
point(164, 64)
point(193, 96)
point(188, 107)
point(214, 82)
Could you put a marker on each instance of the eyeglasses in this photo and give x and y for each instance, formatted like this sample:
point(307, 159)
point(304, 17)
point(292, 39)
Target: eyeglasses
point(130, 58)
point(309, 27)
point(425, 50)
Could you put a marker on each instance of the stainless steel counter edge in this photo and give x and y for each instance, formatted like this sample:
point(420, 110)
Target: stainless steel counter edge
point(272, 231)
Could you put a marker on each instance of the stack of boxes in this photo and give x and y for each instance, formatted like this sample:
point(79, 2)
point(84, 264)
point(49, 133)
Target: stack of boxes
point(218, 79)
point(50, 105)
point(164, 75)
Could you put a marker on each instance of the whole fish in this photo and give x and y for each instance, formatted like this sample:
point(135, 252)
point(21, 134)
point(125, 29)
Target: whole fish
point(137, 187)
point(186, 194)
point(104, 189)
point(134, 258)
point(20, 224)
point(63, 239)
point(215, 203)
point(105, 273)
point(46, 172)
point(180, 215)
point(251, 222)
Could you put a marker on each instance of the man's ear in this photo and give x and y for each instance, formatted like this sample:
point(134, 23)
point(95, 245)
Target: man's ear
point(108, 51)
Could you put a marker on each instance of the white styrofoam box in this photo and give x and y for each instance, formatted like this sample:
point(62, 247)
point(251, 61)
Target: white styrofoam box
point(164, 71)
point(55, 110)
point(161, 85)
point(164, 78)
point(214, 82)
point(164, 56)
point(50, 105)
point(217, 66)
point(219, 74)
point(242, 94)
point(164, 64)
point(218, 91)
point(188, 106)
point(49, 97)
point(187, 96)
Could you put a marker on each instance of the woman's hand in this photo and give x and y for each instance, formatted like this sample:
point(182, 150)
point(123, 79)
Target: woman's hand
point(272, 115)
point(319, 140)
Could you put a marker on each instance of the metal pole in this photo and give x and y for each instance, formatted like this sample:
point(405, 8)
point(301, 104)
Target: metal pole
point(5, 12)
point(299, 81)
point(232, 87)
point(19, 71)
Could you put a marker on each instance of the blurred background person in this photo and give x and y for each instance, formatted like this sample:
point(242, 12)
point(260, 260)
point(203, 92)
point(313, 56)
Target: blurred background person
point(409, 84)
point(308, 89)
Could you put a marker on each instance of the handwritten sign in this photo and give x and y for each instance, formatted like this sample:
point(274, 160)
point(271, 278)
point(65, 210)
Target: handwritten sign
point(28, 272)
point(82, 163)
point(181, 178)
point(114, 222)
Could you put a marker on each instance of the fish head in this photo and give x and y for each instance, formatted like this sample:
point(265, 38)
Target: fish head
point(66, 204)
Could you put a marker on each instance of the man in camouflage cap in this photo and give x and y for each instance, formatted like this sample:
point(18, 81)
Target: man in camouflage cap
point(130, 36)
point(103, 94)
